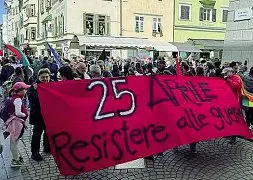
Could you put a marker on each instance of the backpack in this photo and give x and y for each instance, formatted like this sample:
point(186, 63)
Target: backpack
point(5, 110)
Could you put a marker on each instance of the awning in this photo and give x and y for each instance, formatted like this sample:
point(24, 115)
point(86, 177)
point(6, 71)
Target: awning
point(208, 3)
point(115, 42)
point(48, 18)
point(186, 47)
point(125, 43)
point(208, 44)
point(165, 47)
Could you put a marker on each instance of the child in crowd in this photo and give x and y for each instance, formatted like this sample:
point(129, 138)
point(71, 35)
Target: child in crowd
point(15, 125)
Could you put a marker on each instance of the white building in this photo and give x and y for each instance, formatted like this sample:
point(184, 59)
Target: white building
point(239, 36)
point(59, 21)
point(96, 23)
point(5, 29)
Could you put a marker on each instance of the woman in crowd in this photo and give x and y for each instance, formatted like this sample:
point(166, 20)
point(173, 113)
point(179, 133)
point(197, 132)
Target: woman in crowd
point(36, 118)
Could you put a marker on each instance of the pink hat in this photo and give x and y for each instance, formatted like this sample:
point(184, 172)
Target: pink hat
point(20, 85)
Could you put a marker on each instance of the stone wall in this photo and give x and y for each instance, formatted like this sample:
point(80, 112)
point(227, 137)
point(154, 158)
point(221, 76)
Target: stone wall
point(238, 45)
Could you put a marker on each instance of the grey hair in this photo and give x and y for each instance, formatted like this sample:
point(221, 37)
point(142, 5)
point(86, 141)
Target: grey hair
point(95, 69)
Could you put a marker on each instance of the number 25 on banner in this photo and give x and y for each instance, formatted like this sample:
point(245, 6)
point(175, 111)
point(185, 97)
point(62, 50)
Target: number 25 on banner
point(99, 115)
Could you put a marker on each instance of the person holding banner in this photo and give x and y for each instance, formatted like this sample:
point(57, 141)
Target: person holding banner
point(235, 82)
point(36, 118)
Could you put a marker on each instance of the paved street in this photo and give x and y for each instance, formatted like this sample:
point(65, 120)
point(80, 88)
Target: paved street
point(216, 159)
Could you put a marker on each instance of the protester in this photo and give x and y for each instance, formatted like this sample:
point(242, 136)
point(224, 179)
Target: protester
point(248, 92)
point(81, 71)
point(18, 75)
point(95, 71)
point(36, 118)
point(7, 71)
point(15, 125)
point(161, 64)
point(66, 73)
point(235, 82)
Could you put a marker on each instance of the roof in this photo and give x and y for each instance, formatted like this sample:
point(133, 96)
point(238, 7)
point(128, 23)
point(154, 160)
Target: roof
point(48, 18)
point(208, 43)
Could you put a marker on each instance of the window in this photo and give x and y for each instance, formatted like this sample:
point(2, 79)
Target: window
point(96, 24)
point(48, 4)
point(101, 25)
point(33, 33)
point(61, 24)
point(224, 15)
point(42, 6)
point(139, 24)
point(89, 24)
point(55, 26)
point(26, 34)
point(156, 25)
point(206, 14)
point(30, 10)
point(185, 11)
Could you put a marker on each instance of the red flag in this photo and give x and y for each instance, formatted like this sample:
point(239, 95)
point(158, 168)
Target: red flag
point(1, 53)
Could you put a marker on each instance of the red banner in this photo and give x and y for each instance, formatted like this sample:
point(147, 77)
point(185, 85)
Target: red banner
point(94, 124)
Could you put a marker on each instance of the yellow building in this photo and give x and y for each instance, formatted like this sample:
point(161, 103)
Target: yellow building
point(152, 19)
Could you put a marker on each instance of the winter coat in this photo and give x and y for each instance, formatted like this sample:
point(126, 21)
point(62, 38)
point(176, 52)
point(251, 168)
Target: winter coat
point(235, 82)
point(35, 110)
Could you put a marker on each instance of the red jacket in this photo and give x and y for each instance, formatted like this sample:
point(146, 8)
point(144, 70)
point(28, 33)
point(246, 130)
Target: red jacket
point(235, 82)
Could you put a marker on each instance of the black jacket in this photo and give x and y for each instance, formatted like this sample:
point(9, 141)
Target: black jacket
point(35, 110)
point(6, 72)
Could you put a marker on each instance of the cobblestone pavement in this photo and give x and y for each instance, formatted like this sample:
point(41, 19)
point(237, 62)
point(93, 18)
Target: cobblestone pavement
point(215, 159)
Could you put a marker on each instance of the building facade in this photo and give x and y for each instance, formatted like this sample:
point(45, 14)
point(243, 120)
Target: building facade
point(239, 35)
point(152, 19)
point(5, 29)
point(202, 23)
point(34, 23)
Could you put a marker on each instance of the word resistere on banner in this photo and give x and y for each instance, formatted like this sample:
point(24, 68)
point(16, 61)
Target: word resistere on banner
point(94, 124)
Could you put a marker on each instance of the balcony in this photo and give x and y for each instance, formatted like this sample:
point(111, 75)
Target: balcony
point(208, 3)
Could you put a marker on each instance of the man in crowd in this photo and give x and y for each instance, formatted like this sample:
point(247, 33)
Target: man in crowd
point(81, 71)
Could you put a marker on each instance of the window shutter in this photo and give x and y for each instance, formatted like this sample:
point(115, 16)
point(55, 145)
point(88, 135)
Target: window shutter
point(107, 25)
point(95, 25)
point(137, 24)
point(63, 24)
point(214, 15)
point(201, 14)
point(84, 23)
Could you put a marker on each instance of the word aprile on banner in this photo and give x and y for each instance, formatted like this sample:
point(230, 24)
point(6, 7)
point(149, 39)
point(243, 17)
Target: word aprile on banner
point(99, 123)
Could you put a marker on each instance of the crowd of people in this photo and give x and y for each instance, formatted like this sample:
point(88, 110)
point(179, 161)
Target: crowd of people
point(19, 88)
